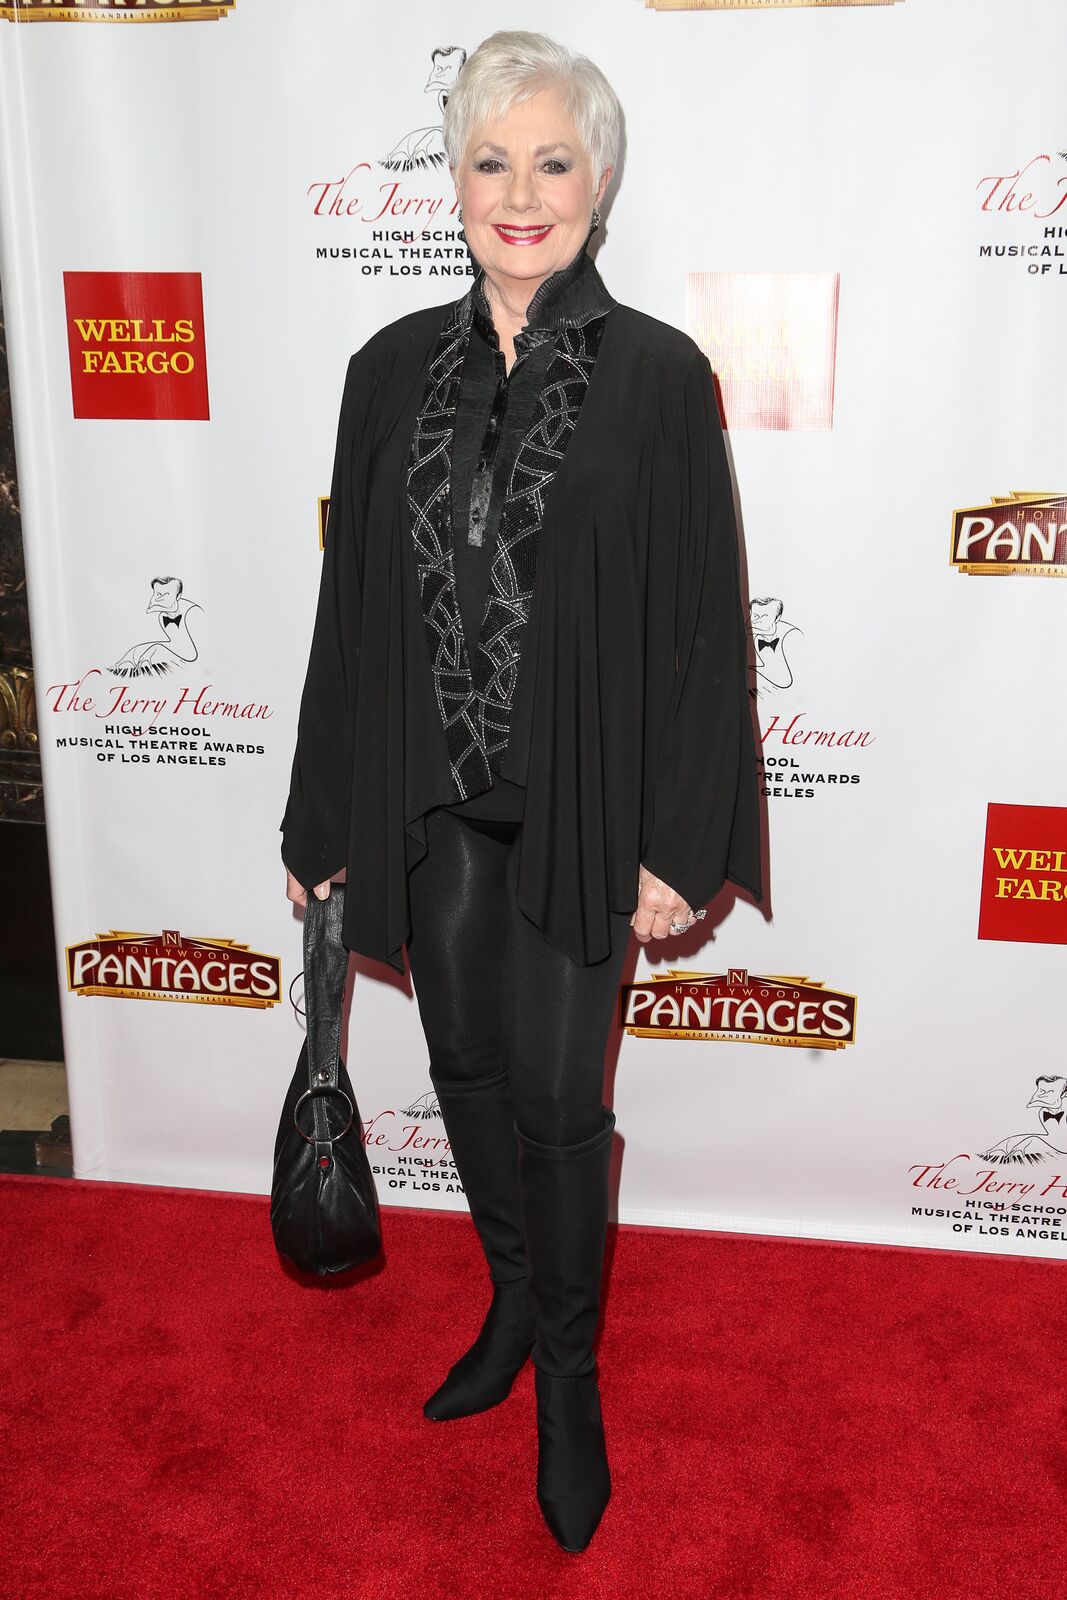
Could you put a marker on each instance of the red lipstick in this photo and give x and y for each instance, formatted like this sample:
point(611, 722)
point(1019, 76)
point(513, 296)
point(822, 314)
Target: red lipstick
point(522, 237)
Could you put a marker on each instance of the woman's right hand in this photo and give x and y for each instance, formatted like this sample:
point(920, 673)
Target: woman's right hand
point(295, 891)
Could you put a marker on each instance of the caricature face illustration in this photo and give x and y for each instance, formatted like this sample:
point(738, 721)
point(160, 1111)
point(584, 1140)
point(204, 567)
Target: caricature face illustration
point(771, 634)
point(166, 592)
point(174, 644)
point(423, 148)
point(1048, 1098)
point(763, 617)
point(446, 65)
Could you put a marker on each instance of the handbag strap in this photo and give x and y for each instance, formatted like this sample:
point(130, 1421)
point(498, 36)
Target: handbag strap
point(325, 971)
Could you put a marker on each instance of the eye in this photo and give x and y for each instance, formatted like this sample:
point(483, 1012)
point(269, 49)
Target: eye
point(560, 166)
point(485, 163)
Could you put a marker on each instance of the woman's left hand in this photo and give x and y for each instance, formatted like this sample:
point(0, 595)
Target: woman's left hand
point(658, 906)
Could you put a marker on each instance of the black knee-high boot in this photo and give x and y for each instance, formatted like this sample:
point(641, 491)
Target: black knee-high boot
point(479, 1118)
point(564, 1196)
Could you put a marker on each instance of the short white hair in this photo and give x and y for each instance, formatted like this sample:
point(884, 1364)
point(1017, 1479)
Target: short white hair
point(511, 66)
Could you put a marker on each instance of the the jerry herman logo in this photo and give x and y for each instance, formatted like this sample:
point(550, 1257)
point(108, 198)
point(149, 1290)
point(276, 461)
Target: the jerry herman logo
point(756, 5)
point(173, 966)
point(136, 342)
point(115, 10)
point(1021, 535)
point(1024, 875)
point(734, 1006)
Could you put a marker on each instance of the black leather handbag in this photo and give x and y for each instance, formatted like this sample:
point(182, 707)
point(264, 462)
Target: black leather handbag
point(323, 1204)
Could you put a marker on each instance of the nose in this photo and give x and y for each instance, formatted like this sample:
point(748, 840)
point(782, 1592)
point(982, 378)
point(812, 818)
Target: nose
point(521, 195)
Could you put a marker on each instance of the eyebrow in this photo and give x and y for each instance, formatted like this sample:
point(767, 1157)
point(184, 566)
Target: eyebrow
point(542, 149)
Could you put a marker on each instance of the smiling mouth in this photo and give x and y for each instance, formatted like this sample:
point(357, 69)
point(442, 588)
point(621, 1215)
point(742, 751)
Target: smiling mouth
point(522, 236)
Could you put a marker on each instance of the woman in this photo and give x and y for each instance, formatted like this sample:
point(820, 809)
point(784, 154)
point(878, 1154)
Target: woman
point(524, 729)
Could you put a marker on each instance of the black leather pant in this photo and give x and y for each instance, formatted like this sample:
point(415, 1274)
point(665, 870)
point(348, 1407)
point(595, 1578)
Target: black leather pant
point(492, 991)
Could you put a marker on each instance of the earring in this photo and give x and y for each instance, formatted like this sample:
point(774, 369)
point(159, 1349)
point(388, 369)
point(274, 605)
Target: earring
point(596, 216)
point(459, 214)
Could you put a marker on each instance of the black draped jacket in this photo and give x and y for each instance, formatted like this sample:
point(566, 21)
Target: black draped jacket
point(630, 725)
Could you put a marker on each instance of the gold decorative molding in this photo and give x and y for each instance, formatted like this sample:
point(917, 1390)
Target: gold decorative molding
point(18, 710)
point(115, 10)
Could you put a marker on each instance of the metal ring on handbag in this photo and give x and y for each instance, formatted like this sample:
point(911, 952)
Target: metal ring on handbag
point(326, 1089)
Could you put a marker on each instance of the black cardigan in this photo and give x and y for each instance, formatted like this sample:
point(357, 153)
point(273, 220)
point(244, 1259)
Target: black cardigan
point(630, 727)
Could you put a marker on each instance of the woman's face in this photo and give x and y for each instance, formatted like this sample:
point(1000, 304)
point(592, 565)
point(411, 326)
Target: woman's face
point(527, 192)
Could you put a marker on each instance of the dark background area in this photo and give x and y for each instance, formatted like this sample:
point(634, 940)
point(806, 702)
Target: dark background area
point(29, 987)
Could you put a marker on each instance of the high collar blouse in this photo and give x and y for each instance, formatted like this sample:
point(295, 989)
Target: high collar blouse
point(495, 409)
point(631, 726)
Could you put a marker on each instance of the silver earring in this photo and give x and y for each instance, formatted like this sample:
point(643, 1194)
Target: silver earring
point(596, 217)
point(459, 214)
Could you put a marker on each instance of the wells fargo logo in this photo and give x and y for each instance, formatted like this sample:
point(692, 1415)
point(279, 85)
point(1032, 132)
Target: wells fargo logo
point(771, 338)
point(136, 342)
point(172, 966)
point(1024, 875)
point(734, 1006)
point(1016, 535)
point(115, 10)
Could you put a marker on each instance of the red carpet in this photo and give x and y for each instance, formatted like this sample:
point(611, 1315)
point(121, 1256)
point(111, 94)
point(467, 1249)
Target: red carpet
point(183, 1420)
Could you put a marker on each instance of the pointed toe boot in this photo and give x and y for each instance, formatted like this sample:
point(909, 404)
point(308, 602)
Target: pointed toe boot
point(564, 1196)
point(483, 1376)
point(479, 1119)
point(573, 1479)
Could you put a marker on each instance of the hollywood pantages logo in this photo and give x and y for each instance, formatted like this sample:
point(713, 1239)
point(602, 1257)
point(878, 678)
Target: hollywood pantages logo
point(738, 1007)
point(1022, 534)
point(173, 966)
point(116, 10)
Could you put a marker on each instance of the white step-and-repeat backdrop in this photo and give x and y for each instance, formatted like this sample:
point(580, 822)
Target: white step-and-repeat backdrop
point(859, 210)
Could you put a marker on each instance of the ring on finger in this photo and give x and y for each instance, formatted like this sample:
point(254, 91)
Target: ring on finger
point(694, 916)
